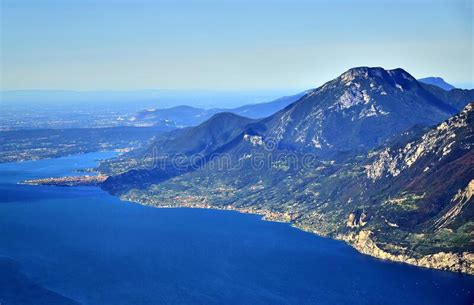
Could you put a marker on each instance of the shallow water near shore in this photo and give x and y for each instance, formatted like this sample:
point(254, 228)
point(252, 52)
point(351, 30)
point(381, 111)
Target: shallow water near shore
point(69, 245)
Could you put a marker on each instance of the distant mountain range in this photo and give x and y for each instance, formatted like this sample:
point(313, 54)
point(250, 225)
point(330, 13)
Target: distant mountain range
point(183, 116)
point(437, 81)
point(355, 159)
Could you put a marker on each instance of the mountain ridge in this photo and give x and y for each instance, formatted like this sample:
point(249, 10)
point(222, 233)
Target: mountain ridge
point(185, 116)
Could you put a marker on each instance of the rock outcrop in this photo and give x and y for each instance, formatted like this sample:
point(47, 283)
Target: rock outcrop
point(458, 262)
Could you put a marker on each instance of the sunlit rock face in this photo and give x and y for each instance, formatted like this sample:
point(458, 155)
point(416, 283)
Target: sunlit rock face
point(459, 262)
point(439, 143)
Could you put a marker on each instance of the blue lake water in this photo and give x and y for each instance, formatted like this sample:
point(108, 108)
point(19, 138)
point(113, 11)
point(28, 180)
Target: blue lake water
point(61, 245)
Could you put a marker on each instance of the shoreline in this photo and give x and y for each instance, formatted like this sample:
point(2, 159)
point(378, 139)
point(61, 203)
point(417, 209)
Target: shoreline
point(361, 240)
point(85, 180)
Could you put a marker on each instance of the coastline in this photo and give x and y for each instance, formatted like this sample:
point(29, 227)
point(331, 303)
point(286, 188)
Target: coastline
point(86, 180)
point(359, 240)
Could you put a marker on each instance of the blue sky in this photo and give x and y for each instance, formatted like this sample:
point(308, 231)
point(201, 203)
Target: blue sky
point(227, 45)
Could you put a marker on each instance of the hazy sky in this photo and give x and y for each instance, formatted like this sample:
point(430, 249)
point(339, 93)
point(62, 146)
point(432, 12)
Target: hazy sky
point(90, 45)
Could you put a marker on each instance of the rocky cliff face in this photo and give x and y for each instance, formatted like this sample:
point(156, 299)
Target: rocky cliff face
point(457, 206)
point(427, 211)
point(438, 143)
point(431, 175)
point(459, 262)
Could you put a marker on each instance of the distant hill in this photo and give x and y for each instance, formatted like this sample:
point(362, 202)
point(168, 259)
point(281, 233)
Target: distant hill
point(262, 110)
point(183, 116)
point(437, 81)
point(179, 116)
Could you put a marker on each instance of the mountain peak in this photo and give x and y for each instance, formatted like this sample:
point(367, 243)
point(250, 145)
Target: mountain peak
point(375, 72)
point(361, 72)
point(357, 110)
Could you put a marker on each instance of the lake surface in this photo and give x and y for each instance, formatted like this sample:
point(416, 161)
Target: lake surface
point(70, 245)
